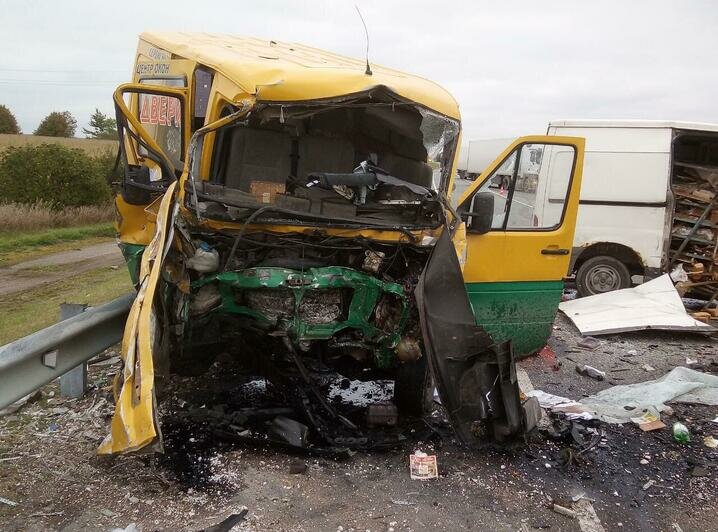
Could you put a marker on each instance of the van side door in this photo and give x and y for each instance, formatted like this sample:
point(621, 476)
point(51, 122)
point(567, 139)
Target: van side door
point(153, 129)
point(518, 254)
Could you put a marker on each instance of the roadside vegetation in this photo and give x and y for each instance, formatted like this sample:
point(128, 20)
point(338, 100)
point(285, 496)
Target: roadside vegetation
point(33, 310)
point(22, 217)
point(55, 195)
point(30, 231)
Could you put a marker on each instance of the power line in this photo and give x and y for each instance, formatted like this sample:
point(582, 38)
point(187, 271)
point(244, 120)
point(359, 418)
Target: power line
point(48, 71)
point(76, 83)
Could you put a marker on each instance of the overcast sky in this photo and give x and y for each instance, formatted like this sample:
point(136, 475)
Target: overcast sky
point(512, 65)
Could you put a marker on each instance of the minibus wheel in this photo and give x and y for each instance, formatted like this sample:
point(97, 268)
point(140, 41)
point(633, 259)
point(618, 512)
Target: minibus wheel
point(602, 274)
point(413, 388)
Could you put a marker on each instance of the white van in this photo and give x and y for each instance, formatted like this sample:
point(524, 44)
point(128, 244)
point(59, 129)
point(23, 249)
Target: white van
point(648, 201)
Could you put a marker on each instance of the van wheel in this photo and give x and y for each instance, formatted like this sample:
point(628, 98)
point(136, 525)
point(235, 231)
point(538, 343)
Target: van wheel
point(602, 274)
point(413, 388)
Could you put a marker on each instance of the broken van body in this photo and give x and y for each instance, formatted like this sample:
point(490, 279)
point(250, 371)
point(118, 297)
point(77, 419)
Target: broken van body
point(289, 208)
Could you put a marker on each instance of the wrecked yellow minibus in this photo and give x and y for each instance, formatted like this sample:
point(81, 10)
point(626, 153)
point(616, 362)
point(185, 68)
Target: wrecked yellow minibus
point(286, 211)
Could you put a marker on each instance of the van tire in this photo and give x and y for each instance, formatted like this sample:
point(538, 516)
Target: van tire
point(413, 388)
point(602, 274)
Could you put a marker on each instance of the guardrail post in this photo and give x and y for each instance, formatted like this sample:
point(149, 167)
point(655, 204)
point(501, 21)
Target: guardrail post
point(74, 382)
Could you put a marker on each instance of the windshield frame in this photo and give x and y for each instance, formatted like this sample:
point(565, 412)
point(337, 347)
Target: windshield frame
point(299, 218)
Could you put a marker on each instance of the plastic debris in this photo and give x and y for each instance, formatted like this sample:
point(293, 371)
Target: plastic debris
point(680, 433)
point(590, 371)
point(132, 527)
point(423, 466)
point(563, 511)
point(619, 404)
point(678, 274)
point(648, 484)
point(205, 259)
point(650, 420)
point(588, 342)
point(3, 500)
point(710, 441)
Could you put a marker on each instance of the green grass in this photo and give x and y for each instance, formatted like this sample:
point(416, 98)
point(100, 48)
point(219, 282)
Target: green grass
point(33, 310)
point(15, 242)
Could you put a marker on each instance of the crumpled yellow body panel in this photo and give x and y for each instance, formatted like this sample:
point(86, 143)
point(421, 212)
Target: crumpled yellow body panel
point(134, 423)
point(460, 243)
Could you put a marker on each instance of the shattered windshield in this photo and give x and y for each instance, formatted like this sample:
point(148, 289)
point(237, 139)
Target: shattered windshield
point(361, 161)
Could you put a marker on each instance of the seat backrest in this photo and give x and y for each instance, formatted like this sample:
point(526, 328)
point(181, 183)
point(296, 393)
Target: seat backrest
point(324, 154)
point(257, 155)
point(416, 172)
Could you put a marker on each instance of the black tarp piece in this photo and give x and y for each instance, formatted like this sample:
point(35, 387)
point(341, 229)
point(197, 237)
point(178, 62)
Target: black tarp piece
point(475, 378)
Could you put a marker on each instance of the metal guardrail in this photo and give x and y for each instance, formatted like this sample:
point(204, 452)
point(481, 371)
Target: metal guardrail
point(33, 361)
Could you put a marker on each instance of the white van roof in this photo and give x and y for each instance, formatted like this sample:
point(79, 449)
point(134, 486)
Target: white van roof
point(659, 124)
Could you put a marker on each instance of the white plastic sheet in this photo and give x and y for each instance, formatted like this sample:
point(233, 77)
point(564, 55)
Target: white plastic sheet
point(652, 305)
point(619, 404)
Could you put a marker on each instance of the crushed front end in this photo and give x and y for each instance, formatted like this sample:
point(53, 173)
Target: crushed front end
point(296, 249)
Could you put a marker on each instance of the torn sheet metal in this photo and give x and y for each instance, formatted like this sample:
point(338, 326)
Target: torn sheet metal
point(134, 422)
point(652, 305)
point(619, 404)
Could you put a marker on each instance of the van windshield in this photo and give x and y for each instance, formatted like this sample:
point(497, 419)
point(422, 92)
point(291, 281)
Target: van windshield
point(354, 161)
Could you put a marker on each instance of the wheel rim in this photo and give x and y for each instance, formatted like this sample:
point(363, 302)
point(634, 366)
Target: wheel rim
point(602, 278)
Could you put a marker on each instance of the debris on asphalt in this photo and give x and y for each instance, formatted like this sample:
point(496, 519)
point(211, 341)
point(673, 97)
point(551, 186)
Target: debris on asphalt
point(648, 367)
point(563, 510)
point(588, 521)
point(297, 467)
point(710, 441)
point(680, 433)
point(652, 305)
point(423, 466)
point(17, 405)
point(3, 500)
point(619, 404)
point(549, 357)
point(555, 403)
point(652, 425)
point(590, 371)
point(588, 342)
point(208, 466)
point(227, 524)
point(132, 527)
point(649, 421)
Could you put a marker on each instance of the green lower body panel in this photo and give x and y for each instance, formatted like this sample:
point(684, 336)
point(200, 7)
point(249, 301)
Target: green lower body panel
point(133, 257)
point(520, 311)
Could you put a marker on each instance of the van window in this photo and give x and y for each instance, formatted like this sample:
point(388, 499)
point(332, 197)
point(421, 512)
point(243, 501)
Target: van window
point(530, 187)
point(161, 116)
point(540, 187)
point(499, 184)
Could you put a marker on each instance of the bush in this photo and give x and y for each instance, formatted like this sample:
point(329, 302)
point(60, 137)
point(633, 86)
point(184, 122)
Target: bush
point(106, 162)
point(51, 173)
point(8, 122)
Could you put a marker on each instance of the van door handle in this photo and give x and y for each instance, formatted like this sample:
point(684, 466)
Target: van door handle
point(555, 251)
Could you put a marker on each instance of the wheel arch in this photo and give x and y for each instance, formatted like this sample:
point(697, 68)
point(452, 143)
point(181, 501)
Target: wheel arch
point(630, 257)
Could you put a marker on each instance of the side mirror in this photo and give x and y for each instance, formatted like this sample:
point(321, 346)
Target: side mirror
point(482, 213)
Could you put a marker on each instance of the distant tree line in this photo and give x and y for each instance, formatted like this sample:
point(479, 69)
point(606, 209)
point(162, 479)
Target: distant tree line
point(62, 124)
